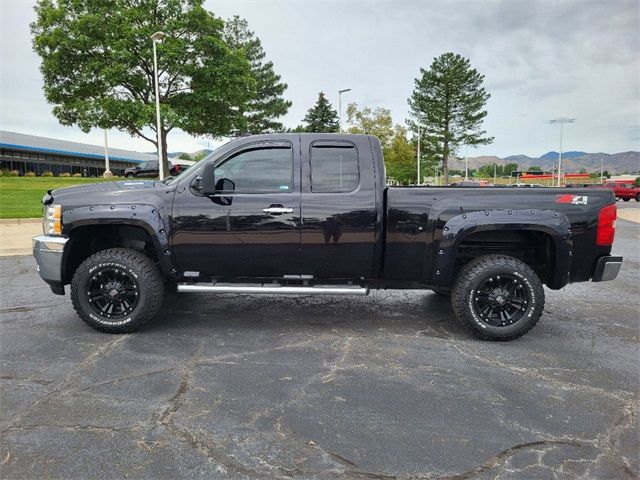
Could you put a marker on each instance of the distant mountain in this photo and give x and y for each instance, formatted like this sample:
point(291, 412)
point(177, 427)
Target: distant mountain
point(617, 163)
point(554, 155)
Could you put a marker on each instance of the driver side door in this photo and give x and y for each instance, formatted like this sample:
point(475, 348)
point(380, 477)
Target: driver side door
point(251, 227)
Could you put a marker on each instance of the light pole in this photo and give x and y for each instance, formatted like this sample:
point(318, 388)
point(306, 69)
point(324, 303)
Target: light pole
point(107, 171)
point(466, 162)
point(418, 159)
point(155, 38)
point(340, 92)
point(494, 173)
point(561, 121)
point(601, 170)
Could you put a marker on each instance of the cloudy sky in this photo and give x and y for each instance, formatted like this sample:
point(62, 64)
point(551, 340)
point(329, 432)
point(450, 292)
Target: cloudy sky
point(541, 59)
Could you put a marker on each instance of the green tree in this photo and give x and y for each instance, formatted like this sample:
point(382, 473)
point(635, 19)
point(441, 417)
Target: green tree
point(97, 64)
point(447, 103)
point(534, 168)
point(268, 105)
point(400, 157)
point(321, 118)
point(374, 121)
point(185, 156)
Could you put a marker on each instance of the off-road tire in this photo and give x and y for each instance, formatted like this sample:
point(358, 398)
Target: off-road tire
point(477, 271)
point(149, 281)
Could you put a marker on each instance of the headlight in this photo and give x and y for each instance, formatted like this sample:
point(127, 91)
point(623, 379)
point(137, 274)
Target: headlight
point(52, 220)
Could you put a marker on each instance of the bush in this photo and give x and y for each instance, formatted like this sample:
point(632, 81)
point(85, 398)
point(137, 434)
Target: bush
point(636, 182)
point(65, 174)
point(1, 173)
point(13, 173)
point(47, 174)
point(30, 174)
point(76, 175)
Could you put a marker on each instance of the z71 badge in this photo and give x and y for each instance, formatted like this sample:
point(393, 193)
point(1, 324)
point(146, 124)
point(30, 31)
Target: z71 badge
point(573, 199)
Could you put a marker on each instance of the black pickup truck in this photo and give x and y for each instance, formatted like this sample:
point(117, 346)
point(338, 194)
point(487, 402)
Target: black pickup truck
point(311, 214)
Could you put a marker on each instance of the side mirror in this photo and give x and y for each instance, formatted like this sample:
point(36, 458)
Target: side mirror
point(208, 181)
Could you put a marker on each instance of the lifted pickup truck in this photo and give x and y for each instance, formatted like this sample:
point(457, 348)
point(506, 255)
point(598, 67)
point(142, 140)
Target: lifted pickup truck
point(311, 214)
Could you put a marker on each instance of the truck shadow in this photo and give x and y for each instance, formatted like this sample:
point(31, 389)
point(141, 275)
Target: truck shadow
point(409, 311)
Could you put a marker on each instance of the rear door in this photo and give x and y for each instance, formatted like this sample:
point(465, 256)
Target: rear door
point(338, 207)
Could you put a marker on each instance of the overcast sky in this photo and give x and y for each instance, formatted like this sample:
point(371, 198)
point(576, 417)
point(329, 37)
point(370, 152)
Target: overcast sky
point(541, 60)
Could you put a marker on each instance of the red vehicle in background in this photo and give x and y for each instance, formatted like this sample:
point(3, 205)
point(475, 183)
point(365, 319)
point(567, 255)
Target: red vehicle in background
point(624, 189)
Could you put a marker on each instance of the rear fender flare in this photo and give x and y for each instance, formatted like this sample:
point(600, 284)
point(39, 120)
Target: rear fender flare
point(551, 222)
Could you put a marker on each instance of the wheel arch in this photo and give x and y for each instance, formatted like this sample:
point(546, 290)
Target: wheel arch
point(96, 228)
point(540, 238)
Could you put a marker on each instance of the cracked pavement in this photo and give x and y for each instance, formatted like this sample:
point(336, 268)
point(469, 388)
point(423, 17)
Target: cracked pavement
point(381, 387)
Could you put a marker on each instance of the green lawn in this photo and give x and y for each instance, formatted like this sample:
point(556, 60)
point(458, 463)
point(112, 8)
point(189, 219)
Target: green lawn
point(20, 196)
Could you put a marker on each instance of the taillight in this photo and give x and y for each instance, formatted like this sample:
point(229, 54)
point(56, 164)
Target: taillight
point(606, 225)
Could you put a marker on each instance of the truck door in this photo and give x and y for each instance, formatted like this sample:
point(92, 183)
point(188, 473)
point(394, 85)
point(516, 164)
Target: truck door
point(251, 227)
point(338, 207)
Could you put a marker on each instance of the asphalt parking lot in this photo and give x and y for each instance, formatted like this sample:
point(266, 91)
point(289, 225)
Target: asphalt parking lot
point(380, 387)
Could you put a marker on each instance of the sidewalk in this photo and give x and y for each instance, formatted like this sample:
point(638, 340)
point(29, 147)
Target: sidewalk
point(15, 235)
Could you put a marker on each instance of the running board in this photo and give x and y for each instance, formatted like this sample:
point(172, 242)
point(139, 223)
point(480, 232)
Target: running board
point(271, 288)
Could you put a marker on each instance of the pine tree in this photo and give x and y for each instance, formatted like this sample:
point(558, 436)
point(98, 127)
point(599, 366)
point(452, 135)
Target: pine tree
point(321, 118)
point(447, 104)
point(268, 104)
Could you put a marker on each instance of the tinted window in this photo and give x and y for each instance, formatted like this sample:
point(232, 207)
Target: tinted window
point(264, 170)
point(334, 168)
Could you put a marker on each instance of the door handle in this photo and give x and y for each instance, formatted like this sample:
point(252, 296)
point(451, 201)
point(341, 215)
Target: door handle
point(277, 210)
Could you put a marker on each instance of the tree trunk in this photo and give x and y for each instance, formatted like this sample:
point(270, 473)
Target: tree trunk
point(165, 156)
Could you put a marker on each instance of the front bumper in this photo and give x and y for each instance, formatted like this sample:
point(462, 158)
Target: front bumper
point(48, 251)
point(607, 268)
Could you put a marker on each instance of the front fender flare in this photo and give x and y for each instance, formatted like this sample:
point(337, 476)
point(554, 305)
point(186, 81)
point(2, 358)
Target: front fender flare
point(146, 217)
point(551, 222)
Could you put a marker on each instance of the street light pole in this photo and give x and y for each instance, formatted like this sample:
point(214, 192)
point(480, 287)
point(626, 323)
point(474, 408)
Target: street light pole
point(107, 171)
point(561, 121)
point(466, 162)
point(157, 37)
point(601, 170)
point(340, 92)
point(418, 159)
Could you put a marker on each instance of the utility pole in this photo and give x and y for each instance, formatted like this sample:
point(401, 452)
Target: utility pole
point(418, 159)
point(494, 173)
point(561, 121)
point(601, 170)
point(155, 38)
point(340, 92)
point(107, 171)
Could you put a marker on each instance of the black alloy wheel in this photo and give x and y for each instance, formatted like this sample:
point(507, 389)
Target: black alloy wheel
point(113, 292)
point(501, 300)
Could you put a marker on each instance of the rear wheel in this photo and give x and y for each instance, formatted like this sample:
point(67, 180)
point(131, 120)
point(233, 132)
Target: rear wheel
point(638, 197)
point(498, 297)
point(129, 175)
point(117, 290)
point(626, 199)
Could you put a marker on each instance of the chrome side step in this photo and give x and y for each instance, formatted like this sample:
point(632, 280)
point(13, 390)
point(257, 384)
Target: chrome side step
point(271, 289)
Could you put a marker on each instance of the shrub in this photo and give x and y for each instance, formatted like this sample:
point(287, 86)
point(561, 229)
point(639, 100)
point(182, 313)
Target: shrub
point(30, 174)
point(65, 174)
point(76, 175)
point(14, 173)
point(636, 182)
point(47, 174)
point(1, 173)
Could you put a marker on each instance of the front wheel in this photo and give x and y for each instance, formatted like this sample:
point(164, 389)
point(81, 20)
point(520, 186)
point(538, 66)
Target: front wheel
point(497, 297)
point(626, 199)
point(638, 197)
point(117, 290)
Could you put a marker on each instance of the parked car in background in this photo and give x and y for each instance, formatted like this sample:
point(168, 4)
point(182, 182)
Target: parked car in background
point(151, 169)
point(624, 189)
